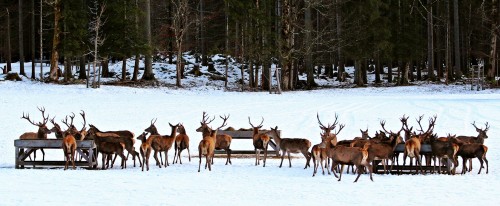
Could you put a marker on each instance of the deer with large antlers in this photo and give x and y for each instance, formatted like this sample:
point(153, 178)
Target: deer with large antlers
point(328, 138)
point(414, 144)
point(475, 139)
point(222, 142)
point(260, 142)
point(40, 134)
point(181, 143)
point(208, 143)
point(291, 145)
point(161, 143)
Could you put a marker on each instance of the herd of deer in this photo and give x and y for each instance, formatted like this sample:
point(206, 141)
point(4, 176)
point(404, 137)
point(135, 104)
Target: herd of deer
point(359, 152)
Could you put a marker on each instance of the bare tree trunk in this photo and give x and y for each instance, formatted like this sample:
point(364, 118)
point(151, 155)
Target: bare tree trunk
point(226, 44)
point(430, 42)
point(490, 72)
point(148, 61)
point(82, 73)
point(67, 69)
point(449, 70)
point(456, 32)
point(124, 68)
point(41, 40)
point(377, 69)
point(286, 44)
point(204, 59)
point(9, 49)
point(21, 35)
point(136, 68)
point(403, 81)
point(56, 40)
point(340, 61)
point(105, 67)
point(389, 72)
point(32, 39)
point(308, 38)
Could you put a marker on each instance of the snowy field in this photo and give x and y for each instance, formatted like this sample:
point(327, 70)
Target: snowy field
point(242, 183)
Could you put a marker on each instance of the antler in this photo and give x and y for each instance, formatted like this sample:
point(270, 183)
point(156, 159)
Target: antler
point(52, 120)
point(153, 122)
point(65, 121)
point(341, 126)
point(84, 121)
point(330, 127)
point(27, 117)
point(205, 119)
point(224, 122)
point(45, 119)
point(419, 120)
point(382, 123)
point(260, 125)
point(432, 123)
point(486, 129)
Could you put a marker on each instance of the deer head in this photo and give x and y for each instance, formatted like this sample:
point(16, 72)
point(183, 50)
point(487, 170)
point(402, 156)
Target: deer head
point(256, 128)
point(327, 129)
point(482, 132)
point(42, 127)
point(204, 122)
point(71, 128)
point(152, 128)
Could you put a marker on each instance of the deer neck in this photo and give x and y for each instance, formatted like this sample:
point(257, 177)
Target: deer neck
point(174, 131)
point(41, 134)
point(154, 131)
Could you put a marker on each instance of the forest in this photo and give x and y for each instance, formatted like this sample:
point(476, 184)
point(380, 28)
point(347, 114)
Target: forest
point(431, 40)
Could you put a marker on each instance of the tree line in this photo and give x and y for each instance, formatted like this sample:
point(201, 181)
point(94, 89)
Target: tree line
point(436, 40)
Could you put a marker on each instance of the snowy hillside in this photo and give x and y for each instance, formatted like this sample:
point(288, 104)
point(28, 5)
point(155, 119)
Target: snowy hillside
point(242, 183)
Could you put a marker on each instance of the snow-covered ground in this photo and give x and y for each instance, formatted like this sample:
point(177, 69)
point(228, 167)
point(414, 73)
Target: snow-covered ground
point(242, 183)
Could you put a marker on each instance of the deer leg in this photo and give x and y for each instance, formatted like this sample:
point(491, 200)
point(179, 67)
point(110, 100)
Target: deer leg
point(289, 160)
point(256, 156)
point(315, 166)
point(175, 154)
point(166, 159)
point(199, 155)
point(209, 162)
point(179, 156)
point(189, 155)
point(470, 164)
point(341, 170)
point(360, 170)
point(156, 158)
point(282, 157)
point(143, 159)
point(486, 161)
point(308, 158)
point(265, 156)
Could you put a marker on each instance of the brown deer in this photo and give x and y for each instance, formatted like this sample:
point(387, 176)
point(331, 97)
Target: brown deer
point(291, 145)
point(318, 154)
point(161, 143)
point(384, 150)
point(181, 143)
point(207, 145)
point(109, 144)
point(351, 156)
point(40, 134)
point(469, 151)
point(119, 133)
point(145, 149)
point(414, 144)
point(329, 138)
point(478, 139)
point(260, 142)
point(223, 141)
point(443, 150)
point(69, 144)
